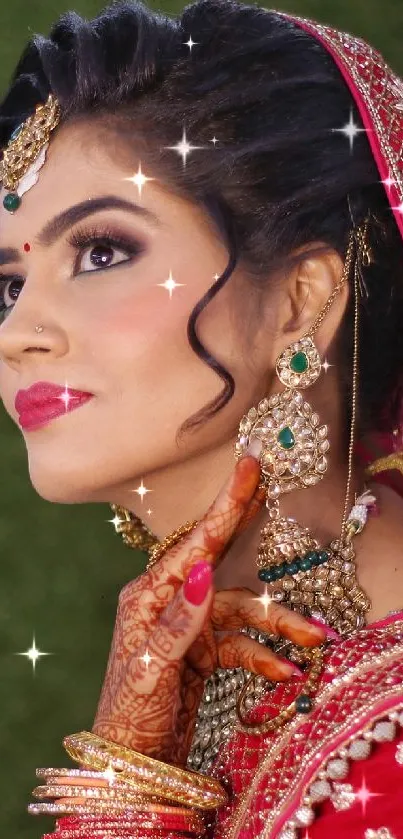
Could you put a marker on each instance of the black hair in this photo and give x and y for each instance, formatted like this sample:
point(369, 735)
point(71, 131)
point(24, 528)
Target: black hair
point(279, 176)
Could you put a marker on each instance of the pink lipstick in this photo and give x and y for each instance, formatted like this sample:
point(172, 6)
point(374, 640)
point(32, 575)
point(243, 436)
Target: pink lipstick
point(43, 401)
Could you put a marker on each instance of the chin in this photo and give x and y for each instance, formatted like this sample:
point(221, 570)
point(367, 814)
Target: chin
point(56, 493)
point(64, 487)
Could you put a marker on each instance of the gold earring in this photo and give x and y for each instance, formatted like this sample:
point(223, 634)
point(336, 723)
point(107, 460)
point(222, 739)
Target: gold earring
point(294, 456)
point(318, 583)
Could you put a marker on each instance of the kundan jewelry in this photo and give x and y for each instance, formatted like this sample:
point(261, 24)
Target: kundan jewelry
point(25, 153)
point(317, 581)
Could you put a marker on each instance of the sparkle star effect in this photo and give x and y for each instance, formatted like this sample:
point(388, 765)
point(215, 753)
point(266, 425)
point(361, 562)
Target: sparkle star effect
point(170, 285)
point(399, 208)
point(149, 512)
point(350, 130)
point(326, 365)
point(265, 599)
point(184, 148)
point(116, 521)
point(146, 657)
point(110, 775)
point(66, 396)
point(388, 182)
point(139, 179)
point(141, 490)
point(190, 43)
point(33, 654)
point(363, 795)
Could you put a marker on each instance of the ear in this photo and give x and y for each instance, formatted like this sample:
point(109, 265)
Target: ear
point(305, 293)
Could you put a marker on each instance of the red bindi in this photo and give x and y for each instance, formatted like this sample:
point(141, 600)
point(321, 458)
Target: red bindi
point(27, 247)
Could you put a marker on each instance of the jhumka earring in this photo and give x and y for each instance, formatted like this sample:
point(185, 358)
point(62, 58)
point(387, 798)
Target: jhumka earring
point(318, 581)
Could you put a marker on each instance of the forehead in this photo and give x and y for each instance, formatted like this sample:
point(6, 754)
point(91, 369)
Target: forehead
point(86, 161)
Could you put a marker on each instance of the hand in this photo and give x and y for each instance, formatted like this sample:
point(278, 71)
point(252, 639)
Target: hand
point(164, 644)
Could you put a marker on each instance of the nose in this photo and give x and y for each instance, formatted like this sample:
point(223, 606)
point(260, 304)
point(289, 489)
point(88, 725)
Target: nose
point(19, 339)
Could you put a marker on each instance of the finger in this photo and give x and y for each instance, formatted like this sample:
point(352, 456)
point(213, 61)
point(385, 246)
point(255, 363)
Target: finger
point(241, 651)
point(239, 607)
point(202, 654)
point(148, 595)
point(208, 540)
point(254, 507)
point(179, 625)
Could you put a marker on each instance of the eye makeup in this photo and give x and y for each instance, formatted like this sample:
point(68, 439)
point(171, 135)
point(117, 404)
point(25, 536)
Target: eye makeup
point(102, 235)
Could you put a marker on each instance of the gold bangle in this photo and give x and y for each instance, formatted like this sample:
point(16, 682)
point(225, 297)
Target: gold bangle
point(191, 820)
point(145, 773)
point(99, 793)
point(92, 807)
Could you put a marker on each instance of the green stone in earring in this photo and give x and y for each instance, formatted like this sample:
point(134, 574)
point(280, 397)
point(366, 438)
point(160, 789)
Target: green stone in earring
point(11, 202)
point(299, 362)
point(286, 438)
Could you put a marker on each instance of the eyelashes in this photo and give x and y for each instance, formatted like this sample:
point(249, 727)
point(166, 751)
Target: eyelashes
point(80, 240)
point(83, 237)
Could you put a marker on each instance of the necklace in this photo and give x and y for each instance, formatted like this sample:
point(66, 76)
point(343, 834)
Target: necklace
point(230, 693)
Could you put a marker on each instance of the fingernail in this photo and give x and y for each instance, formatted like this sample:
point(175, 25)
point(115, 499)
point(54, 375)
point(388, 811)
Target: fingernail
point(293, 669)
point(330, 633)
point(254, 448)
point(198, 583)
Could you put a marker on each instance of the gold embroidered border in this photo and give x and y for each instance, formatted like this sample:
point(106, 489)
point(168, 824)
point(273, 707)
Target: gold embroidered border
point(328, 692)
point(365, 88)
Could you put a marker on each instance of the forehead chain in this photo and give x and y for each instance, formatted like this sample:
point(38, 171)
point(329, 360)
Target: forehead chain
point(25, 153)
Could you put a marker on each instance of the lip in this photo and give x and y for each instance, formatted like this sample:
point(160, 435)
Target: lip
point(40, 403)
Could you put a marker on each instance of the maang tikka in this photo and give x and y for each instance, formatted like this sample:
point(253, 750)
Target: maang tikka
point(25, 153)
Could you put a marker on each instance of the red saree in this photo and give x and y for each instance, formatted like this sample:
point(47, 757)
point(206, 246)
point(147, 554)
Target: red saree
point(313, 777)
point(337, 772)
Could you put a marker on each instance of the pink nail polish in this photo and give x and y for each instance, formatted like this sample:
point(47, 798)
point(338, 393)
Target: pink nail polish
point(330, 633)
point(198, 583)
point(295, 670)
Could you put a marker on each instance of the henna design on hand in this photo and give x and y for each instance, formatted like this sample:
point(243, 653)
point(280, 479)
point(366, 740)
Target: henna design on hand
point(151, 706)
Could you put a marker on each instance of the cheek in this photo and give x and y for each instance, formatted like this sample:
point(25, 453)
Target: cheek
point(147, 325)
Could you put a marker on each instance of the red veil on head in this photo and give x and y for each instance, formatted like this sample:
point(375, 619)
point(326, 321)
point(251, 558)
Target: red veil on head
point(378, 94)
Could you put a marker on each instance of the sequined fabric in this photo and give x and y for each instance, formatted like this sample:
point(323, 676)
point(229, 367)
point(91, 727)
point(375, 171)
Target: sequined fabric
point(268, 775)
point(378, 93)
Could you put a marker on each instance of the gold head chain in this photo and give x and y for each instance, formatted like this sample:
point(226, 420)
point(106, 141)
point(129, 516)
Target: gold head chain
point(26, 151)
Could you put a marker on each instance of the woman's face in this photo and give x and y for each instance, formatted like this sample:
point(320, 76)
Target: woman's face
point(111, 327)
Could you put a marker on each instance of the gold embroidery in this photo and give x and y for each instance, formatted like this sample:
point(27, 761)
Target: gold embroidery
point(392, 461)
point(343, 796)
point(399, 753)
point(381, 833)
point(375, 686)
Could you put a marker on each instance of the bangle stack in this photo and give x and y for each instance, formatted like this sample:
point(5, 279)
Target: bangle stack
point(139, 796)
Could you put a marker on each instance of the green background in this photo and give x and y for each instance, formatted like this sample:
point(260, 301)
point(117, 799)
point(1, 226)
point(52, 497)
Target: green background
point(63, 566)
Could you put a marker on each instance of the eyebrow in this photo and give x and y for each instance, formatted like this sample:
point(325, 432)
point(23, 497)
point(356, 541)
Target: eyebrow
point(60, 223)
point(9, 255)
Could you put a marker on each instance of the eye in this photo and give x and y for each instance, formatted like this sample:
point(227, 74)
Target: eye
point(100, 250)
point(100, 256)
point(10, 288)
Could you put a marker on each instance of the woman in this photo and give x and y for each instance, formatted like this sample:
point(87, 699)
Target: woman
point(254, 684)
